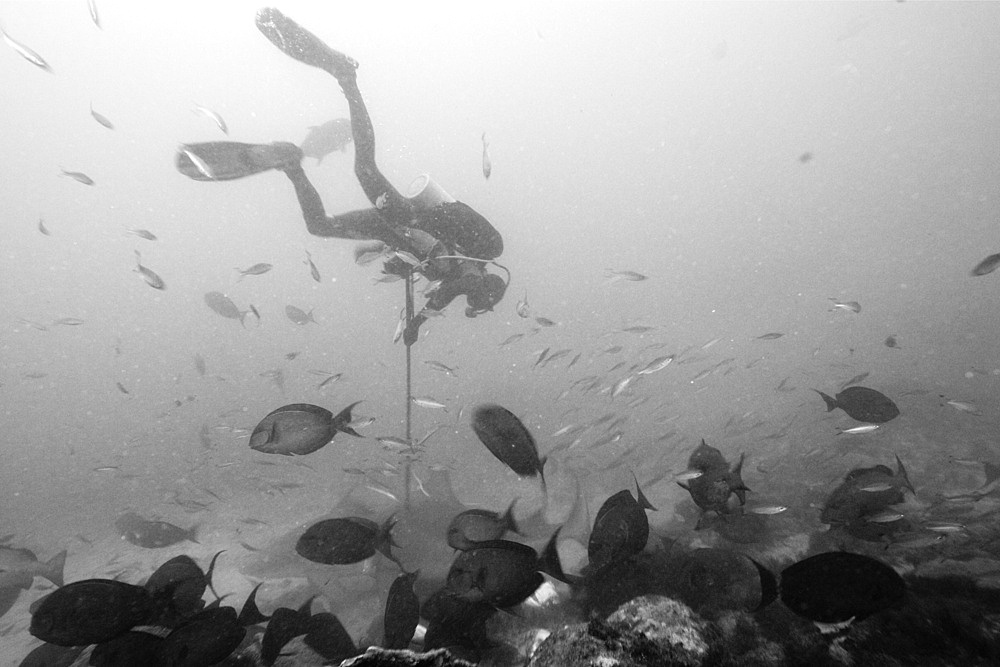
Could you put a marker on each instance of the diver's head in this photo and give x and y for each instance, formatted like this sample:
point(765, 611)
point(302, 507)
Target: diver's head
point(489, 294)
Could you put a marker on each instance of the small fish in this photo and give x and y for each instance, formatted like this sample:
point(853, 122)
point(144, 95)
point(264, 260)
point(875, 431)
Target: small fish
point(200, 164)
point(427, 402)
point(541, 356)
point(523, 309)
point(767, 509)
point(964, 406)
point(438, 366)
point(638, 329)
point(391, 442)
point(42, 228)
point(313, 271)
point(770, 336)
point(299, 316)
point(153, 280)
point(887, 516)
point(408, 257)
point(688, 475)
point(143, 234)
point(633, 276)
point(944, 527)
point(877, 487)
point(28, 54)
point(77, 176)
point(657, 364)
point(253, 309)
point(511, 339)
point(988, 265)
point(621, 385)
point(333, 135)
point(858, 430)
point(545, 322)
point(211, 115)
point(292, 355)
point(92, 7)
point(891, 341)
point(363, 422)
point(487, 163)
point(101, 118)
point(121, 387)
point(257, 269)
point(223, 305)
point(509, 440)
point(852, 306)
point(387, 278)
point(68, 321)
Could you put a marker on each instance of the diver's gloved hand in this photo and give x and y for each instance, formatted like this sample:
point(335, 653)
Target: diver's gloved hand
point(396, 267)
point(412, 330)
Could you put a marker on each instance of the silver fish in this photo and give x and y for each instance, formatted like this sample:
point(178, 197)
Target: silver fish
point(42, 228)
point(202, 166)
point(769, 509)
point(887, 516)
point(657, 364)
point(28, 54)
point(858, 430)
point(615, 276)
point(78, 176)
point(143, 234)
point(153, 280)
point(487, 163)
point(523, 309)
point(313, 271)
point(852, 306)
point(255, 270)
point(92, 7)
point(213, 116)
point(299, 316)
point(427, 402)
point(100, 118)
point(438, 366)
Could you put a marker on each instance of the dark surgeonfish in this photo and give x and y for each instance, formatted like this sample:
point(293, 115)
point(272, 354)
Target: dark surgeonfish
point(621, 529)
point(508, 440)
point(300, 428)
point(19, 567)
point(346, 540)
point(502, 573)
point(864, 493)
point(207, 638)
point(90, 612)
point(477, 525)
point(723, 579)
point(333, 135)
point(862, 404)
point(711, 490)
point(223, 305)
point(324, 639)
point(834, 589)
point(402, 612)
point(152, 534)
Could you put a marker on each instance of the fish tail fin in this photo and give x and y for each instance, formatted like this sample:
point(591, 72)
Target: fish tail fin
point(251, 614)
point(901, 471)
point(831, 403)
point(684, 486)
point(243, 317)
point(541, 473)
point(343, 419)
point(54, 568)
point(192, 535)
point(549, 561)
point(508, 519)
point(768, 586)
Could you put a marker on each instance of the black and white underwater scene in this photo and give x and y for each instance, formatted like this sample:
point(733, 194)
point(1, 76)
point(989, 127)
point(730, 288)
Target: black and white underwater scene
point(502, 334)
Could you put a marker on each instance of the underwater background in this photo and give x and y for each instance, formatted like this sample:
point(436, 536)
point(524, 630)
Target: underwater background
point(757, 163)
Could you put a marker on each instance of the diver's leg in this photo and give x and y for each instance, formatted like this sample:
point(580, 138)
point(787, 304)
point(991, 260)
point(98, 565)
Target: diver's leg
point(363, 225)
point(297, 42)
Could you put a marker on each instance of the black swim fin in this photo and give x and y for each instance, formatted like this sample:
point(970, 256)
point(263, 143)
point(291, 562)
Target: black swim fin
point(229, 160)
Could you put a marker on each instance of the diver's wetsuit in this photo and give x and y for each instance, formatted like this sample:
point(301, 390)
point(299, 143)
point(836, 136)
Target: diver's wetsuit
point(455, 227)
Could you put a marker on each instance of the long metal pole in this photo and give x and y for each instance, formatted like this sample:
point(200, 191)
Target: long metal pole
point(409, 391)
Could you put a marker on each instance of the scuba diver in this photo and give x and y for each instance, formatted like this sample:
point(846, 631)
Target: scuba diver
point(430, 232)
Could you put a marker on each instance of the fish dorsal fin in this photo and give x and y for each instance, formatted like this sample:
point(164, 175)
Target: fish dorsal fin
point(901, 471)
